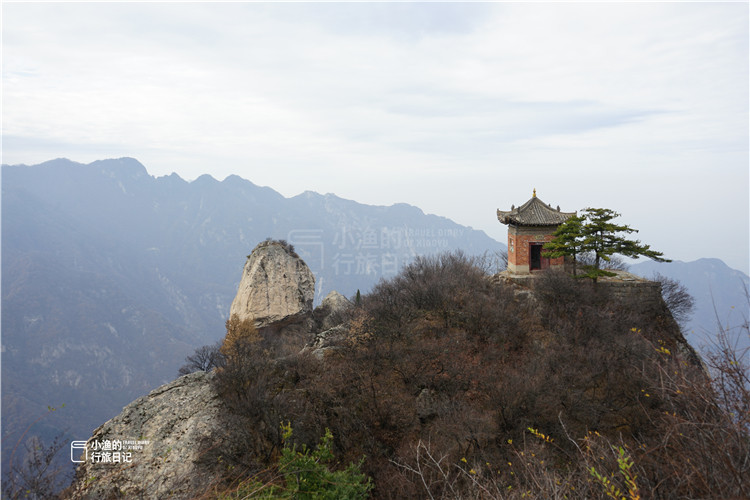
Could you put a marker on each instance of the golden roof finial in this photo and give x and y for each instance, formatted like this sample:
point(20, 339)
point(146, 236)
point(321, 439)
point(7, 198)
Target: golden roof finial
point(534, 192)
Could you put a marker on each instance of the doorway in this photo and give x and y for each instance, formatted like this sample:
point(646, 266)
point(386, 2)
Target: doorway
point(537, 262)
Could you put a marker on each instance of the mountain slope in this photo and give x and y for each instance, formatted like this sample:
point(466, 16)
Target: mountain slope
point(110, 277)
point(441, 383)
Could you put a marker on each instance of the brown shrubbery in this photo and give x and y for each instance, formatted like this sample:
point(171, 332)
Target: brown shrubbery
point(451, 386)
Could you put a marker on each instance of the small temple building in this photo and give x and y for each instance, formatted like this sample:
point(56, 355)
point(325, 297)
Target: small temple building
point(530, 226)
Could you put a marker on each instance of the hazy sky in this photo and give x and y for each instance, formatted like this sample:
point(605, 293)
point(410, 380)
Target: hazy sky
point(458, 109)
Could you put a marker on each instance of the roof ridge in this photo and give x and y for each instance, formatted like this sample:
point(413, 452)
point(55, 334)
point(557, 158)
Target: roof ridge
point(534, 212)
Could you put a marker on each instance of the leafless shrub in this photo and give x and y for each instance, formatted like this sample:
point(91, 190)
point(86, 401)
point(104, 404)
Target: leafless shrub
point(614, 262)
point(284, 244)
point(491, 262)
point(37, 476)
point(680, 303)
point(442, 292)
point(205, 358)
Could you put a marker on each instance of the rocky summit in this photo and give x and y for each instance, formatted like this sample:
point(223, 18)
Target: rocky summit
point(276, 286)
point(152, 447)
point(169, 443)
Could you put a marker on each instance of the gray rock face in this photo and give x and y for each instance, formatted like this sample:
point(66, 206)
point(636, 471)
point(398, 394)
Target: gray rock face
point(276, 286)
point(327, 341)
point(161, 442)
point(331, 325)
point(336, 301)
point(335, 305)
point(173, 443)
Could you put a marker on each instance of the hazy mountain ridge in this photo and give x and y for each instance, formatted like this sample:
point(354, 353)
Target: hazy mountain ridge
point(84, 323)
point(112, 276)
point(719, 292)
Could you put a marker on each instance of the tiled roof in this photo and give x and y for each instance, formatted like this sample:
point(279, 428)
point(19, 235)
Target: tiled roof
point(533, 213)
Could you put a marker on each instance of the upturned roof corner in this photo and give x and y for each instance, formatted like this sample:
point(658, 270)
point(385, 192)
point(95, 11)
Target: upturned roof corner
point(533, 213)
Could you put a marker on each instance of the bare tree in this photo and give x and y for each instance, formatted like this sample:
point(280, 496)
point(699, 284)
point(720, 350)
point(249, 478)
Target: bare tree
point(203, 359)
point(677, 298)
point(37, 476)
point(615, 262)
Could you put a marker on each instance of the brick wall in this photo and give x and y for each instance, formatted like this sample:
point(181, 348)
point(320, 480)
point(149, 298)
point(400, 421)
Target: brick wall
point(519, 240)
point(647, 293)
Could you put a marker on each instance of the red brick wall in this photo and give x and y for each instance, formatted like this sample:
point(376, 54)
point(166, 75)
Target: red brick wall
point(519, 239)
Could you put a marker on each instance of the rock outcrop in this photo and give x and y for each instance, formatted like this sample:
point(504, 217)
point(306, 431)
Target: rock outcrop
point(330, 320)
point(276, 286)
point(170, 443)
point(155, 448)
point(332, 309)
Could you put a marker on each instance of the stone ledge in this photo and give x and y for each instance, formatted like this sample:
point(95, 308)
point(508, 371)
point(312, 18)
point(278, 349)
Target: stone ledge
point(623, 278)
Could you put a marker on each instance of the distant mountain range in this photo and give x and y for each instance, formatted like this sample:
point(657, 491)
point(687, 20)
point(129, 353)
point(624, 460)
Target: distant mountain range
point(110, 276)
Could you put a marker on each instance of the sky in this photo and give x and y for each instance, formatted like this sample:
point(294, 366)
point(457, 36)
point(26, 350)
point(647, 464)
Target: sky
point(459, 109)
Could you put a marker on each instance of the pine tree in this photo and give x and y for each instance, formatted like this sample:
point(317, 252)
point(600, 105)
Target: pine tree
point(594, 232)
point(568, 241)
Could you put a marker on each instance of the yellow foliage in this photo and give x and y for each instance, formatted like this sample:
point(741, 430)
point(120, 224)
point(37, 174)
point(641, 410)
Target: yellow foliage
point(239, 332)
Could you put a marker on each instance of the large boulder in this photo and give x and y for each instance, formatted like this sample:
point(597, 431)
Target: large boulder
point(176, 441)
point(276, 286)
point(156, 447)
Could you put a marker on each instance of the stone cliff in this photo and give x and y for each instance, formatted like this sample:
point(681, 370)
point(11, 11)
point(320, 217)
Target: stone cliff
point(164, 445)
point(151, 449)
point(276, 286)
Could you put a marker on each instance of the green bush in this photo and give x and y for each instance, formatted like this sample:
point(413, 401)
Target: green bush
point(307, 476)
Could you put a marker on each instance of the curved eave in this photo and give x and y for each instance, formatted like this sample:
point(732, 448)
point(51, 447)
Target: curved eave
point(510, 218)
point(532, 224)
